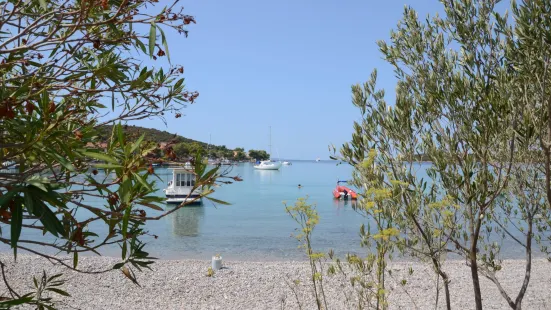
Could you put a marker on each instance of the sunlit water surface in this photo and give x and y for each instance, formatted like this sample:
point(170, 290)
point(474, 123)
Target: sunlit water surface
point(255, 225)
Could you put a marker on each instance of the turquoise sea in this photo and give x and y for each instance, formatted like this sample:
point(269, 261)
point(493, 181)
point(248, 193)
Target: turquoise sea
point(255, 226)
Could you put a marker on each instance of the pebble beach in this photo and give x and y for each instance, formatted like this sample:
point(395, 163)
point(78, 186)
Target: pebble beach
point(184, 284)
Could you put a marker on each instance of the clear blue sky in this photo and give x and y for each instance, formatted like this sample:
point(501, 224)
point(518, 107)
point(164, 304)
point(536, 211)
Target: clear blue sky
point(285, 64)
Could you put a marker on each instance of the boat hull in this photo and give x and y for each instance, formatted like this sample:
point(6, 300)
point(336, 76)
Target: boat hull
point(339, 193)
point(178, 199)
point(268, 166)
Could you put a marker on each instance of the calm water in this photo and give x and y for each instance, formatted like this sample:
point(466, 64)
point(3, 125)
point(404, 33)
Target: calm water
point(255, 226)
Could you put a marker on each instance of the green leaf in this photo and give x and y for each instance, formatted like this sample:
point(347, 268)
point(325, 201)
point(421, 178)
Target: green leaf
point(151, 205)
point(47, 218)
point(125, 190)
point(208, 175)
point(142, 181)
point(218, 201)
point(64, 162)
point(54, 277)
point(75, 260)
point(16, 223)
point(27, 298)
point(118, 265)
point(140, 45)
point(29, 202)
point(43, 4)
point(100, 156)
point(120, 134)
point(124, 246)
point(137, 143)
point(74, 76)
point(60, 292)
point(22, 89)
point(6, 197)
point(179, 83)
point(152, 35)
point(165, 44)
point(37, 182)
point(107, 166)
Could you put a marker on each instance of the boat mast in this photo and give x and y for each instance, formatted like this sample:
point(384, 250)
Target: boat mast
point(270, 142)
point(208, 146)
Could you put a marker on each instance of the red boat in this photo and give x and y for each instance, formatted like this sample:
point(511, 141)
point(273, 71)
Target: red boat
point(343, 192)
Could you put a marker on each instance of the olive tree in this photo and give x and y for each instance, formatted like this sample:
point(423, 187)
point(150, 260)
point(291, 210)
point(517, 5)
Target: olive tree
point(67, 68)
point(459, 104)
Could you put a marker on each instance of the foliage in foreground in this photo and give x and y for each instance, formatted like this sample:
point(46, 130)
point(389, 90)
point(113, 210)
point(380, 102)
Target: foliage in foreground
point(471, 98)
point(366, 275)
point(306, 216)
point(67, 69)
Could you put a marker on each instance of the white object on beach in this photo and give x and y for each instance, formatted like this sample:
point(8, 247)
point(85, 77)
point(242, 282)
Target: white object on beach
point(216, 262)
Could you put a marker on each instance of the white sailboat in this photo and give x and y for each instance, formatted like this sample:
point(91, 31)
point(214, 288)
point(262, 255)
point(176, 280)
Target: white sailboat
point(269, 164)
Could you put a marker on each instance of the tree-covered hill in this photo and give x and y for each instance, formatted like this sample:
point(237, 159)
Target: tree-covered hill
point(182, 146)
point(151, 134)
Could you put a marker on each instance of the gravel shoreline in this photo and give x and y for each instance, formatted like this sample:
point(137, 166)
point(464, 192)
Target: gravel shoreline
point(183, 284)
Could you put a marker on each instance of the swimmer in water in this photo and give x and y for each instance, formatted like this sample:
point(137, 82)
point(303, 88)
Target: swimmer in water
point(299, 186)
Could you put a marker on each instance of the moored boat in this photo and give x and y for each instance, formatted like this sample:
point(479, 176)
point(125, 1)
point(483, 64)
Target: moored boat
point(287, 163)
point(268, 165)
point(182, 187)
point(343, 192)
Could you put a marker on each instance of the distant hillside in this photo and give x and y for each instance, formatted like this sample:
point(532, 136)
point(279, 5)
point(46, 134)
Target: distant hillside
point(151, 134)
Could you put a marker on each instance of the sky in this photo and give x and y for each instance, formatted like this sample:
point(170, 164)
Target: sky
point(286, 64)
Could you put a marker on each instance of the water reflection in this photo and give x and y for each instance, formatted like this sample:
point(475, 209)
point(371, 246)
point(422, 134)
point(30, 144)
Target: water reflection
point(342, 203)
point(266, 176)
point(186, 221)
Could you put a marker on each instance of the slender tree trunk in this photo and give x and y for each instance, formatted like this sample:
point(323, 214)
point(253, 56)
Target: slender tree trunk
point(474, 265)
point(476, 282)
point(518, 301)
point(446, 289)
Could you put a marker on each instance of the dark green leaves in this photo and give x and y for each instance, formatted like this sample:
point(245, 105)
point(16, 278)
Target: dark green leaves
point(16, 223)
point(34, 202)
point(58, 291)
point(58, 95)
point(7, 197)
point(27, 298)
point(118, 265)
